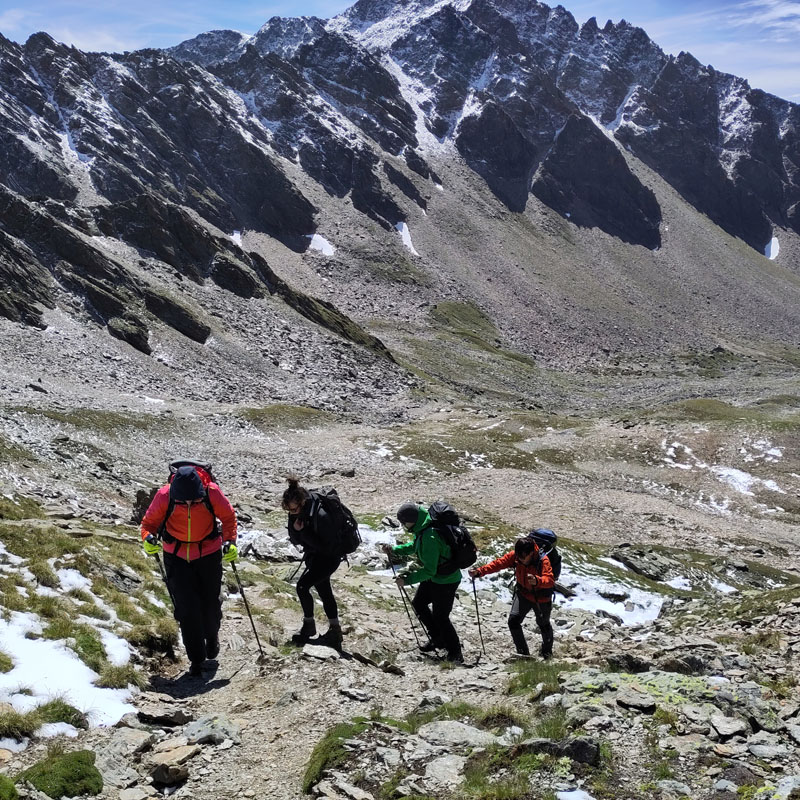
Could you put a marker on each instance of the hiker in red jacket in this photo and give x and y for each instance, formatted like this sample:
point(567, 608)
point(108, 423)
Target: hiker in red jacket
point(534, 590)
point(183, 516)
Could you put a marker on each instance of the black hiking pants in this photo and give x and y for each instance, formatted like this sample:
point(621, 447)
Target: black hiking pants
point(433, 603)
point(195, 587)
point(318, 571)
point(519, 610)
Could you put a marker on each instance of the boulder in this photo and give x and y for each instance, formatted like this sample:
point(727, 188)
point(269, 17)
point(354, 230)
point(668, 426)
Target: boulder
point(638, 701)
point(455, 734)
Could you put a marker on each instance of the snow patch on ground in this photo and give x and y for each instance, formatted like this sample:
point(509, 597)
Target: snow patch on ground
point(321, 244)
point(51, 670)
point(574, 794)
point(236, 238)
point(679, 582)
point(681, 456)
point(72, 579)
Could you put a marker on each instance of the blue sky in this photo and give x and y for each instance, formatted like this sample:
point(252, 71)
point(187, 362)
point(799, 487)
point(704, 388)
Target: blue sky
point(757, 39)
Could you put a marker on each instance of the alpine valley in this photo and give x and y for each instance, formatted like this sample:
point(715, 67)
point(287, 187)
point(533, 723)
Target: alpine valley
point(466, 249)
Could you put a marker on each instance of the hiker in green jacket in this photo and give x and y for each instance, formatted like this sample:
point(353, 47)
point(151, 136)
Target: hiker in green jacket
point(436, 593)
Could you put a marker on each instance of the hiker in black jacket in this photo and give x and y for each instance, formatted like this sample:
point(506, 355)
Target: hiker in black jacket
point(315, 530)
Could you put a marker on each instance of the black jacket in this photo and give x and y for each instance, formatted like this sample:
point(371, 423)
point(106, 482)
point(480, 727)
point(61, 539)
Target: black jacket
point(319, 533)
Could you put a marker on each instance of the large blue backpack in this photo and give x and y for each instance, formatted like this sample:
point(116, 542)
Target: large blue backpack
point(547, 541)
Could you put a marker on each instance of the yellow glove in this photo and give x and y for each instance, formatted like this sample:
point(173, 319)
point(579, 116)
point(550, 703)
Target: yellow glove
point(151, 545)
point(229, 552)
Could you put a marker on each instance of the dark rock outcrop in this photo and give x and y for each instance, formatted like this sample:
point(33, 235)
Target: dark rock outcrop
point(585, 178)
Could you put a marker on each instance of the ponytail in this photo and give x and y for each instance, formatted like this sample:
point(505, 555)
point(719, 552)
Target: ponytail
point(294, 494)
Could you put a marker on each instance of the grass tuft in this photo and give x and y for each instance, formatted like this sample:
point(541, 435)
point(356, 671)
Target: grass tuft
point(329, 752)
point(120, 677)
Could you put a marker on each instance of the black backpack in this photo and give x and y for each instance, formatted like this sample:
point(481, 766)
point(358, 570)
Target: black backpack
point(204, 470)
point(348, 537)
point(547, 541)
point(447, 524)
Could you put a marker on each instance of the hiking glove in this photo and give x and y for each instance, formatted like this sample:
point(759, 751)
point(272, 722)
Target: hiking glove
point(151, 545)
point(229, 552)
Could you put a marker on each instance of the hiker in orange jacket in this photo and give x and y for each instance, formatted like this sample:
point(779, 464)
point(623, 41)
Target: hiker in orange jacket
point(534, 590)
point(183, 519)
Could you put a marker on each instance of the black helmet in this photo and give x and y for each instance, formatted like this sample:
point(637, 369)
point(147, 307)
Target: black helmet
point(408, 512)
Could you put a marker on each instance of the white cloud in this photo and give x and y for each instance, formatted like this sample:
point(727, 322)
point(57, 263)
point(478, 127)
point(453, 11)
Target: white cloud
point(95, 39)
point(15, 19)
point(774, 14)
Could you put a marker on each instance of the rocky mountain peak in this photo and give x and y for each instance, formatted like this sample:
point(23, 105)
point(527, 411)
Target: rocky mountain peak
point(211, 47)
point(284, 35)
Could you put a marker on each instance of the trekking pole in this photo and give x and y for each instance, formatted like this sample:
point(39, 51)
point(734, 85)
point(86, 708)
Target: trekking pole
point(247, 606)
point(405, 604)
point(164, 578)
point(291, 577)
point(478, 615)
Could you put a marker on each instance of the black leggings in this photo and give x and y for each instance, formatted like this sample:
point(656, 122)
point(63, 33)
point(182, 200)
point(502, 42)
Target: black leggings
point(317, 573)
point(433, 603)
point(195, 588)
point(519, 610)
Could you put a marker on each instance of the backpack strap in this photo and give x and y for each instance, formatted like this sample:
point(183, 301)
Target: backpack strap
point(162, 531)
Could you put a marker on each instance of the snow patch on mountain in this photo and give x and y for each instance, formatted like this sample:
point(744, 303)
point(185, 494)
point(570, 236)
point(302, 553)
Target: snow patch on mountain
point(321, 244)
point(382, 33)
point(405, 235)
point(772, 249)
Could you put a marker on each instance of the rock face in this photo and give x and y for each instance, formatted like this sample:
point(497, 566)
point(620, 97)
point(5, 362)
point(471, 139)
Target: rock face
point(585, 178)
point(126, 180)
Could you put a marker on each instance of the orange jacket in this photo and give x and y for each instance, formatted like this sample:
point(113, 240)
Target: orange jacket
point(191, 525)
point(539, 592)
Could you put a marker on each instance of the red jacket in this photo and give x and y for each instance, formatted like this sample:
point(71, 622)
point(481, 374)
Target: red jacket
point(539, 592)
point(191, 525)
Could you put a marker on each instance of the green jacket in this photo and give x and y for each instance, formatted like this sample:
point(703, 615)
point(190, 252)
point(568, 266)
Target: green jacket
point(430, 549)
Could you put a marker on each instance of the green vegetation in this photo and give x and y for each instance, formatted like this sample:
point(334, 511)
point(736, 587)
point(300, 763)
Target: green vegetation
point(60, 711)
point(37, 542)
point(14, 725)
point(159, 636)
point(6, 662)
point(768, 641)
point(7, 789)
point(43, 573)
point(280, 415)
point(710, 410)
point(465, 321)
point(495, 774)
point(529, 673)
point(121, 677)
point(329, 751)
point(552, 724)
point(111, 423)
point(68, 775)
point(19, 507)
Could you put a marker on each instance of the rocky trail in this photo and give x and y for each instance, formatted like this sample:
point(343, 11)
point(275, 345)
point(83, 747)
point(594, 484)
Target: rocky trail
point(696, 701)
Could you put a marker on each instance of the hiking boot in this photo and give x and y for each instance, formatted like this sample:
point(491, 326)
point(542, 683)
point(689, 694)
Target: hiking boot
point(307, 632)
point(196, 669)
point(429, 647)
point(212, 647)
point(331, 638)
point(455, 656)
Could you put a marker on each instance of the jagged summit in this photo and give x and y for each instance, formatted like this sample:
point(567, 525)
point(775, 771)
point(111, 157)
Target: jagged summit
point(395, 123)
point(211, 47)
